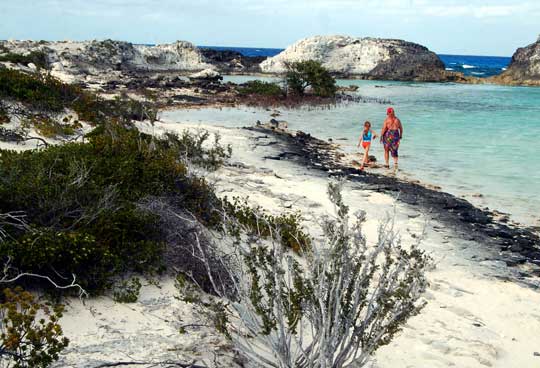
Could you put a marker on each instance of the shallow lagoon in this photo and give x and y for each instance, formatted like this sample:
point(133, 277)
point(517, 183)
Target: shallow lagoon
point(468, 139)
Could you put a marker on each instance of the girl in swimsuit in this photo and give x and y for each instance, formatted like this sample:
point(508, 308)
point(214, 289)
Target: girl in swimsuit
point(365, 140)
point(391, 135)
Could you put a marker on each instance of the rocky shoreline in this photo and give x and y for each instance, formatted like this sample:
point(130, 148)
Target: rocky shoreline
point(516, 245)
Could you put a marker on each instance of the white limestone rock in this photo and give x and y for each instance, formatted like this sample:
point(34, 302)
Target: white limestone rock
point(80, 58)
point(367, 57)
point(206, 74)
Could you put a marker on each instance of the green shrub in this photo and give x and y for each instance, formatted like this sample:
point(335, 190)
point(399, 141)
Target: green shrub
point(39, 58)
point(213, 311)
point(259, 222)
point(25, 340)
point(258, 87)
point(192, 147)
point(81, 203)
point(41, 92)
point(4, 115)
point(127, 291)
point(48, 127)
point(44, 93)
point(303, 74)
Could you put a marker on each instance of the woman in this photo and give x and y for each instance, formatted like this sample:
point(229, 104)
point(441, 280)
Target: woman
point(391, 135)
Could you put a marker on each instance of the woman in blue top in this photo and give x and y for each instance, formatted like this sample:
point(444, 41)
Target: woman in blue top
point(365, 140)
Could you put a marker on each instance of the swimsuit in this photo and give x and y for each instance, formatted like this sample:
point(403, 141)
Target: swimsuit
point(391, 141)
point(366, 140)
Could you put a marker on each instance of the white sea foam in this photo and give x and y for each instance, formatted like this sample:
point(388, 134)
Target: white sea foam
point(477, 73)
point(465, 66)
point(503, 68)
point(449, 69)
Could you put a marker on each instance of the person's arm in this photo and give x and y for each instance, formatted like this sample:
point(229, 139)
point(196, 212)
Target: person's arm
point(374, 134)
point(383, 130)
point(400, 130)
point(359, 141)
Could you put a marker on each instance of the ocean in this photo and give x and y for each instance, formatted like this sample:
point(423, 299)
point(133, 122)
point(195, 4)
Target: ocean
point(480, 142)
point(476, 66)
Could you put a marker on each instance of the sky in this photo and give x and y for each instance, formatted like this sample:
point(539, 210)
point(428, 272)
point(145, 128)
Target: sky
point(465, 27)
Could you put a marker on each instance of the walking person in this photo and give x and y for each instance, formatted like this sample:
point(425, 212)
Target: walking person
point(365, 141)
point(391, 135)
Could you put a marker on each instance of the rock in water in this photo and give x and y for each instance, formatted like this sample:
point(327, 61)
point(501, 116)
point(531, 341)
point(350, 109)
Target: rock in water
point(370, 58)
point(207, 74)
point(524, 67)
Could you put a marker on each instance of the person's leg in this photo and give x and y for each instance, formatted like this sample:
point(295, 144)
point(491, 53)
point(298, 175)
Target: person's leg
point(395, 156)
point(386, 156)
point(366, 156)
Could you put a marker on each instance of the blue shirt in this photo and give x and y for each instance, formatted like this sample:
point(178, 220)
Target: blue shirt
point(367, 136)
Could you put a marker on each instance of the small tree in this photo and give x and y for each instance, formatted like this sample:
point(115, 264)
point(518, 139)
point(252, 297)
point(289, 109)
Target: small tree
point(303, 74)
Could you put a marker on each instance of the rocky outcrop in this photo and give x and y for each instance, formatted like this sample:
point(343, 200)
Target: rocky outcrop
point(370, 58)
point(233, 62)
point(524, 68)
point(76, 59)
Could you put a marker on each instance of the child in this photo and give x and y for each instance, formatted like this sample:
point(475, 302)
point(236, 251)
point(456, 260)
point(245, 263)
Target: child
point(365, 140)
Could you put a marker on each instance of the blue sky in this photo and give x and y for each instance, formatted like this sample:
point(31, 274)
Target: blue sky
point(476, 27)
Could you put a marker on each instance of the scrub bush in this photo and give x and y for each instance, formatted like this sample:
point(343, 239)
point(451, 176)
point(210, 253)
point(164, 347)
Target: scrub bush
point(335, 308)
point(257, 87)
point(127, 291)
point(257, 221)
point(80, 201)
point(4, 116)
point(48, 95)
point(39, 58)
point(25, 340)
point(48, 127)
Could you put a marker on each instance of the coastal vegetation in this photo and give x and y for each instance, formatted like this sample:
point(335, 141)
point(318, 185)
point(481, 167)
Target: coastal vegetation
point(306, 83)
point(38, 58)
point(36, 96)
point(309, 74)
point(25, 340)
point(351, 297)
point(262, 88)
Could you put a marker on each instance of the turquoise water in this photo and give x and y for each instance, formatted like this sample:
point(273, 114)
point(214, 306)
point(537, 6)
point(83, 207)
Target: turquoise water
point(468, 139)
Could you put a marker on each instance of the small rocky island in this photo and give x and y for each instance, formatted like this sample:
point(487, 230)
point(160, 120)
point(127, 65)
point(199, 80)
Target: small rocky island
point(370, 58)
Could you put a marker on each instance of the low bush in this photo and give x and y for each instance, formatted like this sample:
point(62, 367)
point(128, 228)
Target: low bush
point(38, 58)
point(259, 222)
point(48, 95)
point(41, 92)
point(127, 291)
point(25, 340)
point(335, 307)
point(80, 201)
point(258, 87)
point(4, 115)
point(48, 127)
